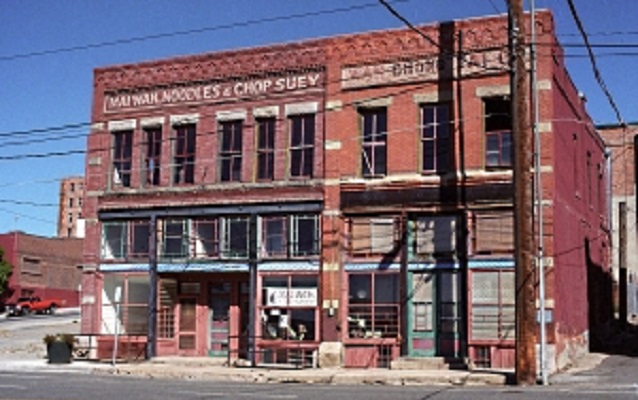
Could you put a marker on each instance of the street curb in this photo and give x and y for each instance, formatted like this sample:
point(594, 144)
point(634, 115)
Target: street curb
point(310, 376)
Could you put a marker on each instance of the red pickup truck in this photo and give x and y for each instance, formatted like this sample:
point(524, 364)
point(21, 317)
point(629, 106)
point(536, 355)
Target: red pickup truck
point(27, 305)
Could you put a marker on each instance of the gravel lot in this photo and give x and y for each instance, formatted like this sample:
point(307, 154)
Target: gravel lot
point(21, 338)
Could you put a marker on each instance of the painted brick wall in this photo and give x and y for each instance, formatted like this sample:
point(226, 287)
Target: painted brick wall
point(59, 259)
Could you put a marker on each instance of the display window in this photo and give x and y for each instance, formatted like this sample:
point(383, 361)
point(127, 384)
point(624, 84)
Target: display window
point(289, 308)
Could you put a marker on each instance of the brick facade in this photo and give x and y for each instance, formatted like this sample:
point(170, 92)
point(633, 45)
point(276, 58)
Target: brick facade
point(410, 143)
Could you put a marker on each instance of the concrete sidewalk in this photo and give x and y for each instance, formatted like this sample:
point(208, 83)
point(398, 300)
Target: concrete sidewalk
point(198, 368)
point(201, 369)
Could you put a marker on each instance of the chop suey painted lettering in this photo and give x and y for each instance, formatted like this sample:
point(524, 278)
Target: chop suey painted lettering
point(212, 92)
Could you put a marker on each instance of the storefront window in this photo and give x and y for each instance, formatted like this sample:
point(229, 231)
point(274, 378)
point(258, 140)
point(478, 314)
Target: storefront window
point(289, 307)
point(373, 310)
point(125, 304)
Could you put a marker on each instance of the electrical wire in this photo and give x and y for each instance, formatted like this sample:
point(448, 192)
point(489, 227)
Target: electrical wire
point(592, 58)
point(156, 36)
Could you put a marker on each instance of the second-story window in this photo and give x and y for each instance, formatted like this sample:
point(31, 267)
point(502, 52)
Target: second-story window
point(274, 236)
point(374, 125)
point(152, 156)
point(184, 158)
point(498, 132)
point(122, 158)
point(234, 242)
point(230, 151)
point(302, 138)
point(435, 138)
point(265, 148)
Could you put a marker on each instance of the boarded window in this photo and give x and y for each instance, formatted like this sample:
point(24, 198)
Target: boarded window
point(373, 236)
point(493, 298)
point(31, 266)
point(494, 232)
point(435, 235)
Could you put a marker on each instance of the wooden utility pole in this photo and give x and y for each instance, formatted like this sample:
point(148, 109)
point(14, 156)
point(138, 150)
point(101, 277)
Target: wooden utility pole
point(523, 236)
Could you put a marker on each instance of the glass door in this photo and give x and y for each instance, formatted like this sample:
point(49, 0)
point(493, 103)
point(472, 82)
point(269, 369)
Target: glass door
point(421, 315)
point(219, 318)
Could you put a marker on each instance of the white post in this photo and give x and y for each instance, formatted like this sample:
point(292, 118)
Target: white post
point(118, 297)
point(539, 205)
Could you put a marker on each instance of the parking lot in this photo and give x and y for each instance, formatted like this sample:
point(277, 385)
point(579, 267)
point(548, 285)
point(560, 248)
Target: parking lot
point(21, 337)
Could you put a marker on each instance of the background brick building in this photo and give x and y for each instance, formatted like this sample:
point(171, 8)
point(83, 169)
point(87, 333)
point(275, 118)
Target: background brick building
point(621, 143)
point(46, 267)
point(70, 220)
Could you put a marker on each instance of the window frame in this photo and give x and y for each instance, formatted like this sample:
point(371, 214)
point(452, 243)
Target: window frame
point(302, 145)
point(288, 334)
point(266, 139)
point(365, 247)
point(294, 241)
point(209, 245)
point(228, 239)
point(230, 150)
point(364, 317)
point(497, 123)
point(266, 236)
point(505, 328)
point(435, 133)
point(152, 156)
point(184, 150)
point(374, 137)
point(122, 158)
point(179, 238)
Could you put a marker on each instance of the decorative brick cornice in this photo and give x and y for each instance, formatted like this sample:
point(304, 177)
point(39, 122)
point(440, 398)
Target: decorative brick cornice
point(213, 66)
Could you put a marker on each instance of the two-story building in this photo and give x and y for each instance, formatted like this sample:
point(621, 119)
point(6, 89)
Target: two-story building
point(350, 196)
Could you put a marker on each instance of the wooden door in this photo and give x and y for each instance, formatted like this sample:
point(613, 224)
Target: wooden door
point(187, 326)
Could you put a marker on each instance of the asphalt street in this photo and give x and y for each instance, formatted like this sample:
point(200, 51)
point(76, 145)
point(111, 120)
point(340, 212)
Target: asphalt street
point(601, 377)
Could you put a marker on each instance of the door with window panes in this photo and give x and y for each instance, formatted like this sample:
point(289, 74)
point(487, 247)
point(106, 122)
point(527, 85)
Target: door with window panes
point(187, 318)
point(433, 314)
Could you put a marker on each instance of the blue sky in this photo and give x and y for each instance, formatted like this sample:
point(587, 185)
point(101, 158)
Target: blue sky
point(45, 86)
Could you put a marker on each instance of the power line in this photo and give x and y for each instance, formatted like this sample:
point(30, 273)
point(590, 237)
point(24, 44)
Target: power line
point(242, 24)
point(408, 23)
point(592, 59)
point(27, 203)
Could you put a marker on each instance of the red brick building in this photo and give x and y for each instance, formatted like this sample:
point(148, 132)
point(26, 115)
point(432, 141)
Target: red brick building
point(621, 142)
point(49, 268)
point(365, 179)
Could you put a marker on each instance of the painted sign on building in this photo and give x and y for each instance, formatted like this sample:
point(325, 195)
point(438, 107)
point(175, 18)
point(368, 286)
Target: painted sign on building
point(212, 92)
point(429, 68)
